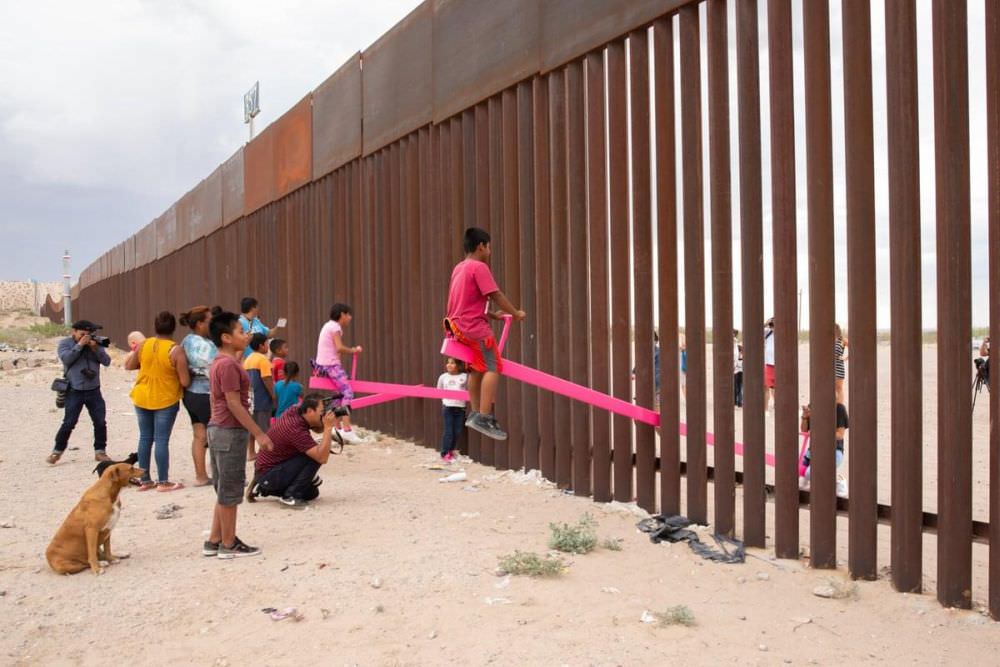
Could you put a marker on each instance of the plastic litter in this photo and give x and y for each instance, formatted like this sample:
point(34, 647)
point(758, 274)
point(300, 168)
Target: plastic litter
point(459, 476)
point(672, 528)
point(288, 612)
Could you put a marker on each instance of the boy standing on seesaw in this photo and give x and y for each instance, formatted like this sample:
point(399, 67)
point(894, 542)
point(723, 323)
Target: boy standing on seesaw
point(472, 288)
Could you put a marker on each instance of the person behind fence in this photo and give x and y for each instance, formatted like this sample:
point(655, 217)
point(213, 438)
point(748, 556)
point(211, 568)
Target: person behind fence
point(228, 431)
point(839, 357)
point(769, 376)
point(737, 369)
point(470, 292)
point(200, 352)
point(159, 388)
point(327, 364)
point(842, 425)
point(288, 391)
point(289, 470)
point(279, 353)
point(258, 367)
point(453, 411)
point(82, 356)
point(250, 322)
point(983, 362)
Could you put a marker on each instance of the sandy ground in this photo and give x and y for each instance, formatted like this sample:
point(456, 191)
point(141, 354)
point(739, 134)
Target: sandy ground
point(433, 548)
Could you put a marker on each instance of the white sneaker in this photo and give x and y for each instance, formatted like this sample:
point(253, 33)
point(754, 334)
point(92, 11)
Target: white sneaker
point(803, 483)
point(350, 436)
point(841, 487)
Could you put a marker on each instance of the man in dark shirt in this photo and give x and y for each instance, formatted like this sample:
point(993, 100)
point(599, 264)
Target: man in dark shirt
point(82, 359)
point(289, 469)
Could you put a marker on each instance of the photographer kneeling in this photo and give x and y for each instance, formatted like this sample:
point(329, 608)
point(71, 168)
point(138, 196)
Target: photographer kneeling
point(289, 469)
point(82, 354)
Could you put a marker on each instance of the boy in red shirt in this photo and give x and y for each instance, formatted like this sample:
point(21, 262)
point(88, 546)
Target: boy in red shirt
point(472, 288)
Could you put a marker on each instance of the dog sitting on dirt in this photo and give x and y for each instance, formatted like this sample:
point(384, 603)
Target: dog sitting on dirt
point(84, 539)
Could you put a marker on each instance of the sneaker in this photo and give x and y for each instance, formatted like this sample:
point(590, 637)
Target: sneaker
point(351, 437)
point(253, 490)
point(317, 481)
point(53, 458)
point(238, 550)
point(296, 503)
point(472, 416)
point(448, 458)
point(487, 425)
point(841, 487)
point(210, 548)
point(101, 455)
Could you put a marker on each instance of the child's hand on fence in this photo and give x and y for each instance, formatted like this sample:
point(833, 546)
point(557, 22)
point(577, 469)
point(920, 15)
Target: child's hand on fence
point(520, 315)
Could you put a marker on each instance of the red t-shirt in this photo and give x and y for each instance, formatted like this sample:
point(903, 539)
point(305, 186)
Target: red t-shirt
point(471, 283)
point(278, 368)
point(291, 436)
point(224, 375)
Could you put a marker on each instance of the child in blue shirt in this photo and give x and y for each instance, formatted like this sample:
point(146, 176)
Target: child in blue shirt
point(288, 391)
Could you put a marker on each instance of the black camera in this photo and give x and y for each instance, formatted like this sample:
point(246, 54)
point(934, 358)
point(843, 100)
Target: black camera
point(103, 341)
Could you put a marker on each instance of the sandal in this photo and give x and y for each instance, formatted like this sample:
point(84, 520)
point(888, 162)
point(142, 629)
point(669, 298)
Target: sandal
point(147, 485)
point(54, 457)
point(169, 486)
point(205, 482)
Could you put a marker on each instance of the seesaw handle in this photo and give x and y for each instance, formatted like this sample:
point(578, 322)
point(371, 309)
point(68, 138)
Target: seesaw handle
point(507, 319)
point(354, 367)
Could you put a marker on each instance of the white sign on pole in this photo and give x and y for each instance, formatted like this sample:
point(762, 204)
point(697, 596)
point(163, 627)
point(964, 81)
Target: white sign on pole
point(251, 103)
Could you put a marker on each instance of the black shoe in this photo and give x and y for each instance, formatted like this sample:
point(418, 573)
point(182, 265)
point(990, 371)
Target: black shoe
point(238, 550)
point(487, 425)
point(471, 418)
point(297, 503)
point(253, 490)
point(210, 548)
point(317, 481)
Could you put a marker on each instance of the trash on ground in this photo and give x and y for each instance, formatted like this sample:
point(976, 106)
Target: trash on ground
point(672, 528)
point(288, 612)
point(459, 476)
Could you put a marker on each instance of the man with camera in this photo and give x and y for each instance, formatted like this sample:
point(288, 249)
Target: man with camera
point(82, 354)
point(288, 470)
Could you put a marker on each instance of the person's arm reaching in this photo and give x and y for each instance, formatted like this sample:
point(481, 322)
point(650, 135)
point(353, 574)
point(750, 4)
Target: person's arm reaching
point(69, 351)
point(501, 301)
point(245, 420)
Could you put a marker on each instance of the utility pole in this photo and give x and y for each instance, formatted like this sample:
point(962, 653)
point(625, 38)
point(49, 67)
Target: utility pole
point(67, 293)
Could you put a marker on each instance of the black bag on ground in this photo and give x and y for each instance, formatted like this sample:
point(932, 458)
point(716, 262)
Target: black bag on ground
point(673, 528)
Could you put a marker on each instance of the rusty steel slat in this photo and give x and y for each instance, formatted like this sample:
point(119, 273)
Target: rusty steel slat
point(468, 172)
point(819, 184)
point(722, 268)
point(993, 187)
point(597, 223)
point(393, 230)
point(785, 281)
point(258, 171)
point(526, 243)
point(499, 252)
point(410, 266)
point(642, 266)
point(460, 29)
point(906, 545)
point(620, 326)
point(378, 235)
point(514, 423)
point(576, 184)
point(751, 259)
point(336, 118)
point(461, 179)
point(430, 239)
point(481, 448)
point(559, 259)
point(859, 168)
point(543, 276)
point(694, 259)
point(666, 239)
point(954, 287)
point(232, 188)
point(397, 80)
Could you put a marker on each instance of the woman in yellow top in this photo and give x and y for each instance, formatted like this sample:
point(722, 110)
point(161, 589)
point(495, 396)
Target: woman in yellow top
point(159, 387)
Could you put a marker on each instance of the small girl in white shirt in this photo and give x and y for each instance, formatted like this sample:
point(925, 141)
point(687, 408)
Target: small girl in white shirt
point(456, 379)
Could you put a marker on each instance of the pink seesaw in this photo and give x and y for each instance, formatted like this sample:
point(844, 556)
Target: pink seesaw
point(383, 392)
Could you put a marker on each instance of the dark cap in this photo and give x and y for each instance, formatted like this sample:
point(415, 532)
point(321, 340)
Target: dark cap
point(86, 325)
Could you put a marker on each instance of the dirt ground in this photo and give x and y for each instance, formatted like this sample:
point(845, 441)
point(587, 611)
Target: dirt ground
point(392, 567)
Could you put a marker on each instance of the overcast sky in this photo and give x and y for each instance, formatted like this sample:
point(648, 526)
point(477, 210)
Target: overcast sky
point(109, 112)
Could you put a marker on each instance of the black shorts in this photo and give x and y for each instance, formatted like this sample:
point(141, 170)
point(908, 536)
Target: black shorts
point(198, 406)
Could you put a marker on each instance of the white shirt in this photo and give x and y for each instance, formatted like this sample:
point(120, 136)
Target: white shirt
point(456, 382)
point(768, 347)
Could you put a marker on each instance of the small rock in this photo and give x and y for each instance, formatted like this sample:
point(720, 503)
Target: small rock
point(741, 580)
point(433, 634)
point(647, 617)
point(763, 576)
point(9, 523)
point(610, 589)
point(221, 662)
point(762, 647)
point(496, 601)
point(324, 613)
point(376, 582)
point(741, 617)
point(824, 591)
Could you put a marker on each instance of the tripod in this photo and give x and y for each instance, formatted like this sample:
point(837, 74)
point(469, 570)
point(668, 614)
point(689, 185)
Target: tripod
point(981, 380)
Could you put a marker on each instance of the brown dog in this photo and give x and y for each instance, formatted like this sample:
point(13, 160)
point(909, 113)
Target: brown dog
point(84, 539)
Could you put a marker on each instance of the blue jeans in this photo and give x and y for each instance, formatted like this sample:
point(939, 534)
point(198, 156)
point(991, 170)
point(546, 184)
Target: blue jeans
point(75, 402)
point(454, 422)
point(155, 426)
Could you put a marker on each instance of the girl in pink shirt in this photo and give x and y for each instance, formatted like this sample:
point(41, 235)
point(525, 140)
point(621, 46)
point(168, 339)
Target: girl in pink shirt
point(327, 364)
